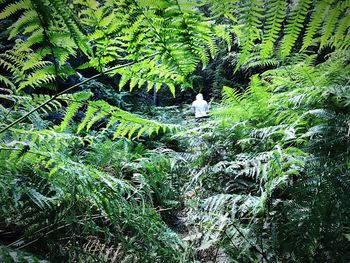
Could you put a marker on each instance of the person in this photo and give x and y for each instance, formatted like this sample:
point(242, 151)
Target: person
point(200, 108)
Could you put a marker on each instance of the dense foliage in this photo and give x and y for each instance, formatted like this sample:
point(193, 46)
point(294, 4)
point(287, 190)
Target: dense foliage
point(272, 176)
point(91, 173)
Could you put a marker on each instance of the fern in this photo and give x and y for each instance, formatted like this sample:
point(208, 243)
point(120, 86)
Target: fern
point(122, 192)
point(129, 123)
point(231, 96)
point(264, 167)
point(294, 27)
point(39, 77)
point(72, 26)
point(30, 68)
point(78, 99)
point(38, 24)
point(319, 13)
point(250, 27)
point(14, 8)
point(276, 11)
point(223, 33)
point(267, 171)
point(223, 8)
point(125, 38)
point(7, 82)
point(150, 73)
point(258, 59)
point(340, 32)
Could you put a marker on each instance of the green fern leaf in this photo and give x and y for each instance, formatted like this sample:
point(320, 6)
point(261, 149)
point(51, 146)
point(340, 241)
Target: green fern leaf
point(329, 25)
point(340, 32)
point(231, 96)
point(133, 83)
point(72, 26)
point(172, 88)
point(35, 38)
point(7, 82)
point(157, 86)
point(133, 130)
point(97, 117)
point(70, 111)
point(149, 85)
point(13, 8)
point(33, 63)
point(42, 76)
point(28, 18)
point(225, 8)
point(319, 14)
point(89, 114)
point(122, 126)
point(123, 80)
point(11, 67)
point(276, 11)
point(294, 27)
point(250, 21)
point(223, 33)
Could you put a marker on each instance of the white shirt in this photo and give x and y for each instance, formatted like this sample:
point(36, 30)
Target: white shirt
point(200, 108)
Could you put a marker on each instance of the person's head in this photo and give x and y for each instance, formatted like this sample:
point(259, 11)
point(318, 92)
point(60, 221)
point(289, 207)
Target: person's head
point(199, 96)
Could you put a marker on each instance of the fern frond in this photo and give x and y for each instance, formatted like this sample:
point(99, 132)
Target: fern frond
point(231, 96)
point(28, 18)
point(131, 123)
point(9, 66)
point(70, 111)
point(128, 125)
point(294, 26)
point(250, 21)
point(148, 71)
point(276, 11)
point(13, 8)
point(89, 114)
point(329, 24)
point(16, 58)
point(341, 30)
point(37, 99)
point(77, 35)
point(35, 38)
point(318, 15)
point(258, 59)
point(39, 77)
point(223, 33)
point(33, 63)
point(45, 137)
point(345, 45)
point(7, 82)
point(225, 8)
point(266, 132)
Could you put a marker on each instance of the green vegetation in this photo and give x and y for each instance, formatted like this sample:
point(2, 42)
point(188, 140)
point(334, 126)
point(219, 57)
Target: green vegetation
point(91, 170)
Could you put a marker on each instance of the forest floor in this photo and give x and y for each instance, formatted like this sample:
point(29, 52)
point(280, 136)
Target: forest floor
point(211, 254)
point(182, 224)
